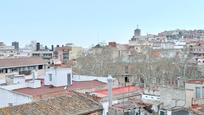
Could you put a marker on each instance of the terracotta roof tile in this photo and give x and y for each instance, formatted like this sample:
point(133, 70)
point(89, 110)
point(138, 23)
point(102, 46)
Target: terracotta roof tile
point(25, 61)
point(67, 105)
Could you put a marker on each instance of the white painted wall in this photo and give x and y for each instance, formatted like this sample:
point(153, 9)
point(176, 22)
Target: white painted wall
point(7, 97)
point(31, 84)
point(59, 76)
point(35, 84)
point(105, 106)
point(2, 81)
point(19, 80)
point(13, 87)
point(169, 113)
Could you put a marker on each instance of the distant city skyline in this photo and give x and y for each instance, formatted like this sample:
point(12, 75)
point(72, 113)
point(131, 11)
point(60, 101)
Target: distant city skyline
point(87, 22)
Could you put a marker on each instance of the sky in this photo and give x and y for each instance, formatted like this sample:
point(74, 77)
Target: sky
point(87, 22)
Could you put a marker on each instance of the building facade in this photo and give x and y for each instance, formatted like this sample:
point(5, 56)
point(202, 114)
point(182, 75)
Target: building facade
point(21, 65)
point(45, 55)
point(16, 45)
point(62, 54)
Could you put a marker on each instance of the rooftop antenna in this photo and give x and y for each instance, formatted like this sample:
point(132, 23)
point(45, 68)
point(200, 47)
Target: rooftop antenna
point(137, 26)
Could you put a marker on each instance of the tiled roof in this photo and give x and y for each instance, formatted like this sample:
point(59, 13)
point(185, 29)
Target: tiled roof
point(23, 61)
point(45, 90)
point(73, 104)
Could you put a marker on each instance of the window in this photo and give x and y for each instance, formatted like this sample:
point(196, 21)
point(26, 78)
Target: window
point(40, 67)
point(162, 113)
point(66, 56)
point(50, 77)
point(198, 90)
point(126, 79)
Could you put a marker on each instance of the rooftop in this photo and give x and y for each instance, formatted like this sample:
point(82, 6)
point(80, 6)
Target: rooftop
point(45, 90)
point(64, 48)
point(118, 90)
point(23, 61)
point(74, 104)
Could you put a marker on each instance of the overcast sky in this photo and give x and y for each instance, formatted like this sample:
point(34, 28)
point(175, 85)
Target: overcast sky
point(86, 22)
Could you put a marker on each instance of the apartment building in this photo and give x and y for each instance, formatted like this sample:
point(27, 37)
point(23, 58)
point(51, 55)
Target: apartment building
point(45, 55)
point(21, 65)
point(62, 54)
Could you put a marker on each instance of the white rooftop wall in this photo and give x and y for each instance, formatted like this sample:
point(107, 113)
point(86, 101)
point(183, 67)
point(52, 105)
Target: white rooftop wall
point(7, 97)
point(2, 81)
point(59, 76)
point(19, 80)
point(89, 78)
point(31, 84)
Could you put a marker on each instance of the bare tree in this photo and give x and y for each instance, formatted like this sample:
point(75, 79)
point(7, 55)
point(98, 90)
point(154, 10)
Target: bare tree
point(100, 61)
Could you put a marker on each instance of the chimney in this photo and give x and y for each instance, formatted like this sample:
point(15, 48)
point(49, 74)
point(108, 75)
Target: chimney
point(46, 48)
point(110, 83)
point(37, 46)
point(52, 47)
point(112, 44)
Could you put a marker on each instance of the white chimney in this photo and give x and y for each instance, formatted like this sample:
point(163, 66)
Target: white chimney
point(110, 83)
point(178, 82)
point(33, 75)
